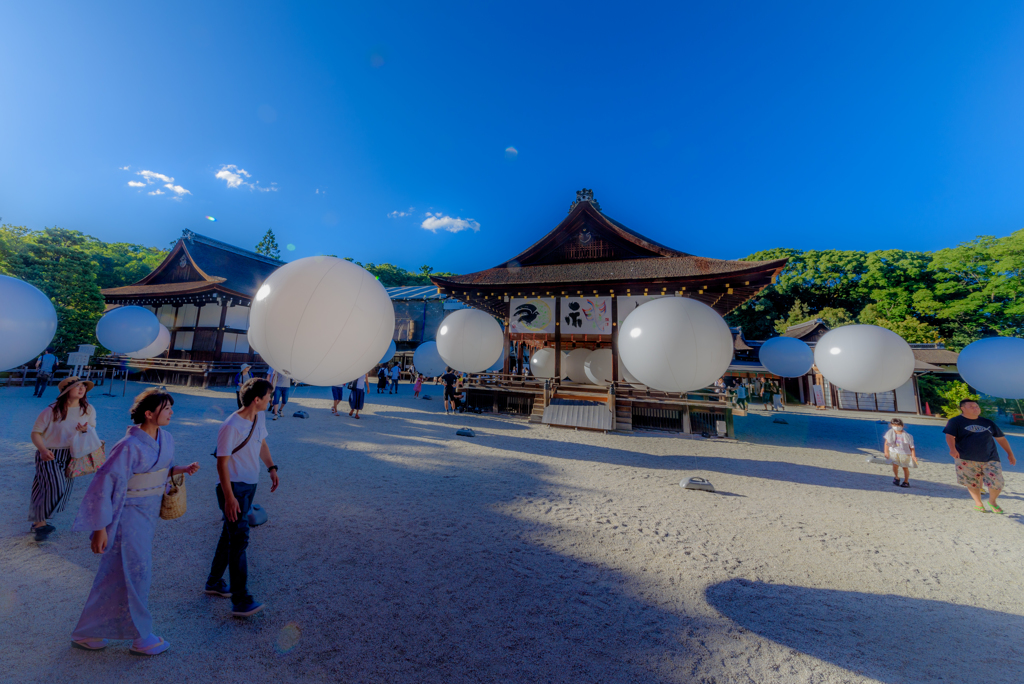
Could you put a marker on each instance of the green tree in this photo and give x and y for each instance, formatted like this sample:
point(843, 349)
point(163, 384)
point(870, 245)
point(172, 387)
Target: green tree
point(426, 270)
point(268, 245)
point(122, 263)
point(56, 260)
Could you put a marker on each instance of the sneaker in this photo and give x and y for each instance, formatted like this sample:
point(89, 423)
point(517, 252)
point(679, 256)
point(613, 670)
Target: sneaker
point(218, 588)
point(276, 416)
point(43, 532)
point(247, 609)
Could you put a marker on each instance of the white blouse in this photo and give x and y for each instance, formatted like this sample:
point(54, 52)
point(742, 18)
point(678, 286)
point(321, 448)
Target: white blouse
point(57, 433)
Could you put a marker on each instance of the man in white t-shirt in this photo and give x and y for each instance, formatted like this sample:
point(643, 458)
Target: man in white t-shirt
point(396, 372)
point(241, 445)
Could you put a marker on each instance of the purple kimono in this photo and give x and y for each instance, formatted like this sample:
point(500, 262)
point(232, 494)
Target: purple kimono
point(117, 607)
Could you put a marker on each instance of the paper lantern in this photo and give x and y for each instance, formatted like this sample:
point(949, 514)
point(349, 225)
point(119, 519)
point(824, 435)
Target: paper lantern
point(994, 366)
point(27, 322)
point(427, 361)
point(864, 358)
point(675, 344)
point(469, 340)
point(598, 366)
point(787, 357)
point(127, 329)
point(390, 353)
point(574, 365)
point(542, 363)
point(321, 320)
point(159, 346)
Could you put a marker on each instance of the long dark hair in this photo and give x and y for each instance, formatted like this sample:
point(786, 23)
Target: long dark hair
point(60, 407)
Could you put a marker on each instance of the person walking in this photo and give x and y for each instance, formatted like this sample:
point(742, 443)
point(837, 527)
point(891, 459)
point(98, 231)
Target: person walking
point(396, 373)
point(357, 394)
point(44, 371)
point(417, 386)
point(243, 376)
point(52, 433)
point(280, 382)
point(777, 396)
point(450, 393)
point(241, 445)
point(337, 393)
point(899, 447)
point(972, 444)
point(741, 396)
point(120, 509)
point(382, 378)
point(766, 394)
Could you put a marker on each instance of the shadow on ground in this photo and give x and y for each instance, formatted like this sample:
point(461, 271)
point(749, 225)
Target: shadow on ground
point(889, 638)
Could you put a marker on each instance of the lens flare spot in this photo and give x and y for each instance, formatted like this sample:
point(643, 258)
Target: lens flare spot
point(511, 152)
point(288, 637)
point(444, 329)
point(291, 247)
point(262, 293)
point(210, 218)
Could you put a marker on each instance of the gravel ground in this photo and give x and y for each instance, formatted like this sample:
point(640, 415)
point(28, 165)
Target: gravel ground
point(398, 552)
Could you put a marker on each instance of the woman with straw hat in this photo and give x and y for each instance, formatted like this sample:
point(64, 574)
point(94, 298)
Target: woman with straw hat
point(52, 434)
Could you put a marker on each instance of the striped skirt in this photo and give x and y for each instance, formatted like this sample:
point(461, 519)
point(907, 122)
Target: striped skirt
point(51, 488)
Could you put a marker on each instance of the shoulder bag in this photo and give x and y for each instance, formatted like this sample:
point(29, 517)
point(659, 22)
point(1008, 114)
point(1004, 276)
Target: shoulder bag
point(93, 454)
point(244, 441)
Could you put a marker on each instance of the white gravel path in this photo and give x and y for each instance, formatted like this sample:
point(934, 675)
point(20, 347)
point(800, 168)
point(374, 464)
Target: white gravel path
point(398, 552)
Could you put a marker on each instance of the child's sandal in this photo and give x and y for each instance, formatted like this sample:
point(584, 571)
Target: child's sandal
point(981, 509)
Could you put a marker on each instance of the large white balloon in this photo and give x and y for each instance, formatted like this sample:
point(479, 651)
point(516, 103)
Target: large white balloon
point(994, 366)
point(787, 357)
point(542, 363)
point(574, 365)
point(864, 358)
point(127, 329)
point(159, 346)
point(390, 353)
point(598, 366)
point(469, 340)
point(427, 361)
point(675, 344)
point(497, 365)
point(27, 322)
point(321, 320)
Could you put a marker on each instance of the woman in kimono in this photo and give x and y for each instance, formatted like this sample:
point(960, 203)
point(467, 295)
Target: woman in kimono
point(121, 508)
point(52, 434)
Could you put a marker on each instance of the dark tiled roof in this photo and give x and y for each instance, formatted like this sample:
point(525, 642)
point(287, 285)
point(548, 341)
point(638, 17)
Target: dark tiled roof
point(243, 271)
point(162, 288)
point(801, 330)
point(942, 357)
point(627, 270)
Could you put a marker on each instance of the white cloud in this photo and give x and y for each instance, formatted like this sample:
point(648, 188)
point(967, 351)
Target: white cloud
point(233, 175)
point(123, 168)
point(136, 184)
point(400, 214)
point(151, 176)
point(438, 221)
point(236, 178)
point(177, 189)
point(157, 192)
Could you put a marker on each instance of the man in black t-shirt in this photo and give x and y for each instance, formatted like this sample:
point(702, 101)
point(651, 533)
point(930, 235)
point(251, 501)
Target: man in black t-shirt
point(449, 379)
point(972, 444)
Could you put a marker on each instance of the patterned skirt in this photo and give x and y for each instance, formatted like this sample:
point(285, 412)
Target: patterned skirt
point(51, 488)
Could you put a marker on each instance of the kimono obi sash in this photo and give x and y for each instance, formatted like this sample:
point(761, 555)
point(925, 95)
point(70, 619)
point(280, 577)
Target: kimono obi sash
point(147, 484)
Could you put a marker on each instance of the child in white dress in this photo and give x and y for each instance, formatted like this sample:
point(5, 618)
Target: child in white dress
point(899, 448)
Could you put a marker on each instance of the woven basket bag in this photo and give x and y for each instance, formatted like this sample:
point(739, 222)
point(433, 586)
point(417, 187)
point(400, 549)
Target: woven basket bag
point(174, 501)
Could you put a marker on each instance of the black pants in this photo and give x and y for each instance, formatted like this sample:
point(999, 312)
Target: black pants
point(42, 380)
point(234, 540)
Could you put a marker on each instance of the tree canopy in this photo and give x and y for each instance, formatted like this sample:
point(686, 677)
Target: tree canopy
point(955, 296)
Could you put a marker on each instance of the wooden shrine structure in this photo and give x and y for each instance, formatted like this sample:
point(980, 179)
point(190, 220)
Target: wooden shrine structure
point(572, 289)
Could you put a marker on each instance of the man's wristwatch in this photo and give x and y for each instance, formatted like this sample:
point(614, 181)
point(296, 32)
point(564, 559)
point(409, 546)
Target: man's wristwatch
point(271, 468)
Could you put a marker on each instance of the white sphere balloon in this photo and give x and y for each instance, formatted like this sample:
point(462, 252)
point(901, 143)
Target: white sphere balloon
point(787, 357)
point(27, 322)
point(427, 361)
point(627, 376)
point(390, 353)
point(496, 366)
point(321, 320)
point(574, 365)
point(159, 346)
point(542, 363)
point(469, 340)
point(675, 344)
point(994, 366)
point(598, 366)
point(864, 358)
point(127, 329)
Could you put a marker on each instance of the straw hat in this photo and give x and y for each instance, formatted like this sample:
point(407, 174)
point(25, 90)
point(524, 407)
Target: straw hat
point(69, 382)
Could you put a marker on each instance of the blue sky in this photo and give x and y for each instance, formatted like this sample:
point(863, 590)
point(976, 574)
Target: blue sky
point(715, 130)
